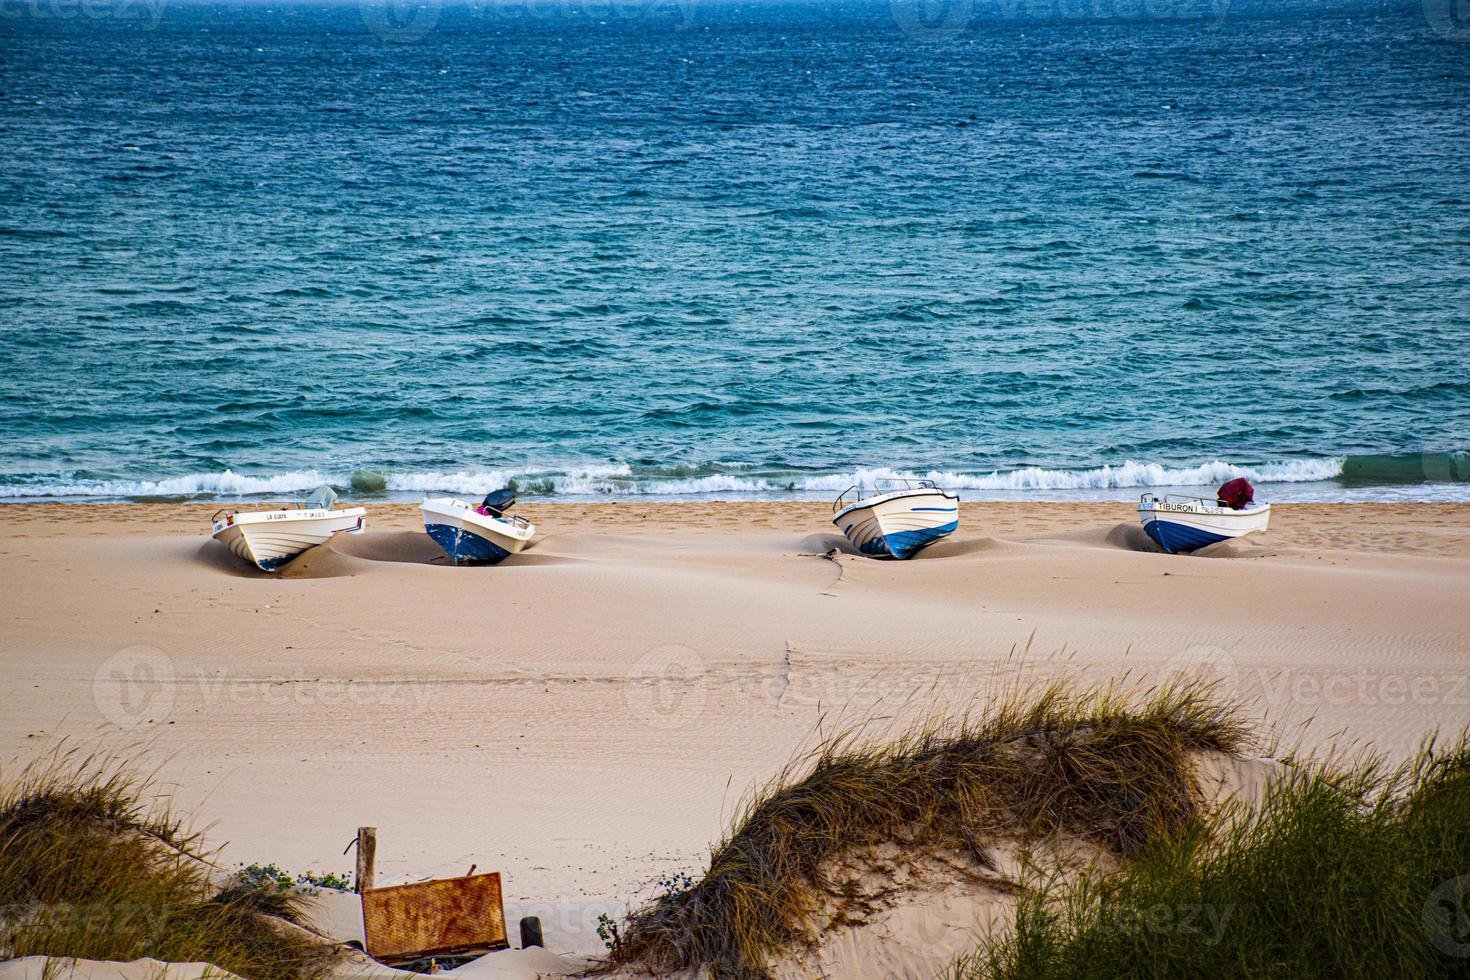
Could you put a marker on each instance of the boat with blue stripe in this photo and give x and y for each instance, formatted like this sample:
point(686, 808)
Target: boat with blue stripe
point(888, 522)
point(481, 535)
point(1180, 524)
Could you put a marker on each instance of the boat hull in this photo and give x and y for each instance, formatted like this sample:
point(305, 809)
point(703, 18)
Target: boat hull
point(1182, 528)
point(469, 537)
point(899, 525)
point(270, 539)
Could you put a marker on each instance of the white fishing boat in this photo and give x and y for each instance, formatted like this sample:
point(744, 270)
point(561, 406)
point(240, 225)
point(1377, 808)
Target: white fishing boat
point(898, 522)
point(481, 534)
point(1180, 524)
point(270, 538)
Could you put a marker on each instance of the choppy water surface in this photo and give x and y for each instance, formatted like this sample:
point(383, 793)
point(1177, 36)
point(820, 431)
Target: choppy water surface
point(754, 249)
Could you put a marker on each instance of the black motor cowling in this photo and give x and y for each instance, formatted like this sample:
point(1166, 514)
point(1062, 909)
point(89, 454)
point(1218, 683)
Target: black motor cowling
point(499, 501)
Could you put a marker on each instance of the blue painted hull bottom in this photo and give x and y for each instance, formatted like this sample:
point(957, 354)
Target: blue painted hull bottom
point(466, 546)
point(906, 544)
point(1179, 538)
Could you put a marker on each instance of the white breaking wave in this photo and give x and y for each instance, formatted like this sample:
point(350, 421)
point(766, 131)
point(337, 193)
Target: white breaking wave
point(717, 483)
point(619, 479)
point(587, 480)
point(1128, 474)
point(461, 481)
point(226, 484)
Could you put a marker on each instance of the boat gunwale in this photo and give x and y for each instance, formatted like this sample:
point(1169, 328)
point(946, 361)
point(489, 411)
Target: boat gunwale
point(517, 527)
point(876, 499)
point(241, 519)
point(1153, 504)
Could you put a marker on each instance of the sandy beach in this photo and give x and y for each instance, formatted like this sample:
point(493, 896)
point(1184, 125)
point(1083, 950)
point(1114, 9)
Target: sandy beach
point(585, 717)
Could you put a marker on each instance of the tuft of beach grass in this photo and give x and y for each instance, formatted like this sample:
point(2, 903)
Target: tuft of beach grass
point(1112, 770)
point(1348, 869)
point(94, 864)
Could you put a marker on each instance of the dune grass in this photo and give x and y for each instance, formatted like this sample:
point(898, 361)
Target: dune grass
point(93, 866)
point(1351, 870)
point(1108, 769)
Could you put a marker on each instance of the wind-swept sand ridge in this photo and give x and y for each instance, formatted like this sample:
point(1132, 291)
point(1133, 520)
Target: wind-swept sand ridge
point(583, 716)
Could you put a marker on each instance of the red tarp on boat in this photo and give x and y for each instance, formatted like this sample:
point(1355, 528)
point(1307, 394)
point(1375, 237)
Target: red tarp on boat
point(1237, 494)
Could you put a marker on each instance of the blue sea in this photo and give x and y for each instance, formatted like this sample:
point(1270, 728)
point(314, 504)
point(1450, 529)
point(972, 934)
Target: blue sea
point(691, 248)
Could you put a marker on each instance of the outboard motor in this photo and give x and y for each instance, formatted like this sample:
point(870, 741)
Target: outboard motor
point(1237, 494)
point(497, 502)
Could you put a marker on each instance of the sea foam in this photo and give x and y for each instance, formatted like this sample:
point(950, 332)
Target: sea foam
point(620, 479)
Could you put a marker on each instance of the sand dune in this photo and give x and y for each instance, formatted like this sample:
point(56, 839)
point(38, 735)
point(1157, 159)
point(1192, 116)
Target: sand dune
point(47, 968)
point(584, 716)
point(936, 914)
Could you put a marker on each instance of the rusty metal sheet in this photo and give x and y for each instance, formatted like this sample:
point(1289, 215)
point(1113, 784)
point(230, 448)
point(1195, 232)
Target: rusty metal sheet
point(434, 918)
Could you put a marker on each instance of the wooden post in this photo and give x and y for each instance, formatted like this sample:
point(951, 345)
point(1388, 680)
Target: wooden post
point(367, 851)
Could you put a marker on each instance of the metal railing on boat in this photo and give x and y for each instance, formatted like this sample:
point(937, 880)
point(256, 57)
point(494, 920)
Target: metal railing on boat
point(880, 486)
